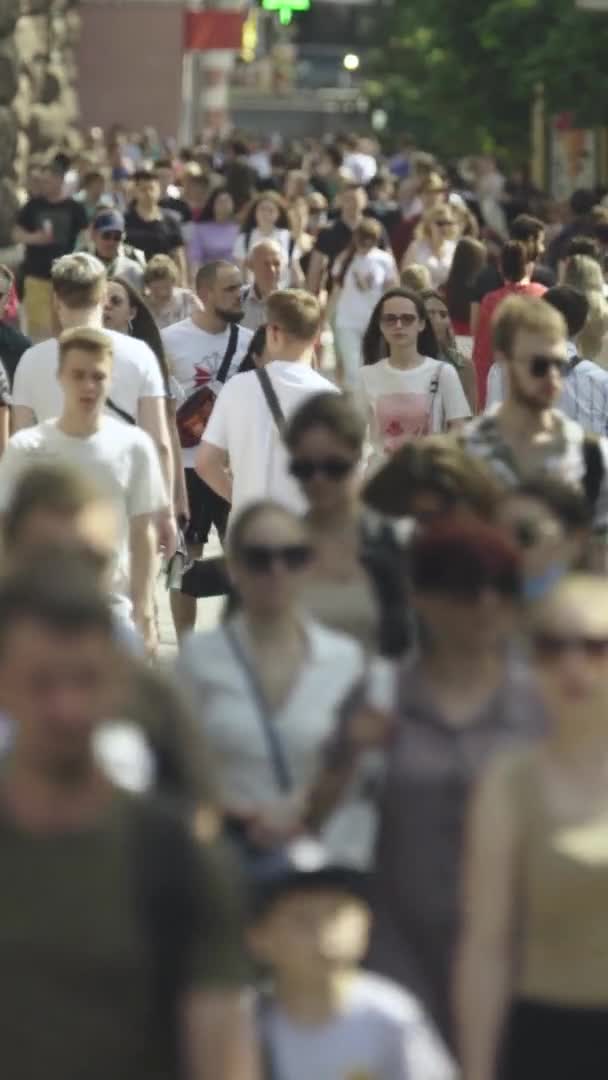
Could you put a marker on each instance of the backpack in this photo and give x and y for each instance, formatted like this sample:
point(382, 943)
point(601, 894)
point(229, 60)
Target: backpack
point(193, 415)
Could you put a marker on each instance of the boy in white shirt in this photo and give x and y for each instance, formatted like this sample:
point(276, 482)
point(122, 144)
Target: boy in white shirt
point(324, 1018)
point(121, 459)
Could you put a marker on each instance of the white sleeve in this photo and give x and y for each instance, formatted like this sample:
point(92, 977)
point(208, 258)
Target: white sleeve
point(495, 389)
point(22, 383)
point(453, 399)
point(147, 491)
point(600, 514)
point(417, 1051)
point(216, 431)
point(12, 464)
point(239, 247)
point(151, 383)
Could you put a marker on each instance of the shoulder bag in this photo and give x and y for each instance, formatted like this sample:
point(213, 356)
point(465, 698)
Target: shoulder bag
point(192, 417)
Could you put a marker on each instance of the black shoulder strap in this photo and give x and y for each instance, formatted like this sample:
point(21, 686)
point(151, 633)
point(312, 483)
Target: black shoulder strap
point(594, 469)
point(276, 752)
point(272, 400)
point(120, 412)
point(166, 896)
point(263, 1011)
point(233, 338)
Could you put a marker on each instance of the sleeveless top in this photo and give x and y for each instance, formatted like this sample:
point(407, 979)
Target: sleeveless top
point(563, 897)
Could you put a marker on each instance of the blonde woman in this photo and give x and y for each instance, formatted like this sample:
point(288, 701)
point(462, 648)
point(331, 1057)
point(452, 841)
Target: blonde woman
point(434, 244)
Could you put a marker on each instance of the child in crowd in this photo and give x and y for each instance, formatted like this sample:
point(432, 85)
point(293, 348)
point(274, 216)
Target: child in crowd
point(324, 1019)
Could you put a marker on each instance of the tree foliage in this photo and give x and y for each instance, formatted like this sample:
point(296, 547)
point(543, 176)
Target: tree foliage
point(461, 74)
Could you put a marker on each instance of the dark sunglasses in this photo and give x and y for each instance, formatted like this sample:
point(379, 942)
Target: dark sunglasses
point(260, 558)
point(540, 366)
point(552, 647)
point(395, 320)
point(112, 235)
point(333, 468)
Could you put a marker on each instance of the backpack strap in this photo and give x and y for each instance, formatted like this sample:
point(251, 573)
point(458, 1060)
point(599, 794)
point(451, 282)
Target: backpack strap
point(233, 338)
point(120, 412)
point(594, 469)
point(272, 400)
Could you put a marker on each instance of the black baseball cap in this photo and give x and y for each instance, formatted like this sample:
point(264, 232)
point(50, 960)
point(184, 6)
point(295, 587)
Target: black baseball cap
point(304, 865)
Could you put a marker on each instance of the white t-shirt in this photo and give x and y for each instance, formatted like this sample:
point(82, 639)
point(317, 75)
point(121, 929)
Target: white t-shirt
point(438, 266)
point(381, 1033)
point(135, 375)
point(196, 357)
point(120, 458)
point(404, 405)
point(242, 425)
point(367, 278)
point(363, 166)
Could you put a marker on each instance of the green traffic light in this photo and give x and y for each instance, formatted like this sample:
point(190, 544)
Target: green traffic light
point(286, 8)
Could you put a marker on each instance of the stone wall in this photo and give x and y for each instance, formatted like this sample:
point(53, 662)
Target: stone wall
point(38, 101)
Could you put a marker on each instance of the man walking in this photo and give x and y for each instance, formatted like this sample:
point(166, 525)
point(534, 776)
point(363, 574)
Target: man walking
point(119, 260)
point(244, 435)
point(265, 263)
point(204, 352)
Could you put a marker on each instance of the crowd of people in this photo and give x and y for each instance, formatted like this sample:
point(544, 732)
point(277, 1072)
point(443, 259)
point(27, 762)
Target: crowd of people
point(357, 829)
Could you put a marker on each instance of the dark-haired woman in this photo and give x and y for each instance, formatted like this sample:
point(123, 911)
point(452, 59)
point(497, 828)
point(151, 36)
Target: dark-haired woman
point(403, 392)
point(269, 682)
point(215, 234)
point(517, 263)
point(256, 355)
point(266, 220)
point(356, 580)
point(439, 318)
point(469, 259)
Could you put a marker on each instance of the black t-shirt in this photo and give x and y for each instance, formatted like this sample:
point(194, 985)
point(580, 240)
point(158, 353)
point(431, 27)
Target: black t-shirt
point(12, 346)
point(490, 278)
point(177, 206)
point(158, 237)
point(67, 217)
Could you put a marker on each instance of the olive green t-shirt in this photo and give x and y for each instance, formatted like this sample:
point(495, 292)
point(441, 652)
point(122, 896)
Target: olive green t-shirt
point(77, 995)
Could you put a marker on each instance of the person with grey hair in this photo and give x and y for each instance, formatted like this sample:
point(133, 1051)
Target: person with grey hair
point(265, 262)
point(137, 392)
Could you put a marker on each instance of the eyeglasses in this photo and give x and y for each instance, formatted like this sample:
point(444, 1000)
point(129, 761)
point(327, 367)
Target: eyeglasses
point(540, 366)
point(396, 320)
point(550, 648)
point(444, 223)
point(333, 468)
point(260, 558)
point(112, 235)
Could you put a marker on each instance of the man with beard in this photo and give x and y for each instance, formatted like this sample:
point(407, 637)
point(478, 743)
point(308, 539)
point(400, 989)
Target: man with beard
point(204, 351)
point(526, 435)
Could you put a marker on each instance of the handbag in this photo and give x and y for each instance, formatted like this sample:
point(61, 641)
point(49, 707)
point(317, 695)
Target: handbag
point(193, 415)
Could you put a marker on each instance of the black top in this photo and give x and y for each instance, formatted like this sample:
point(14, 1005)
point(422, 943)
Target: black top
point(177, 206)
point(158, 237)
point(12, 346)
point(67, 217)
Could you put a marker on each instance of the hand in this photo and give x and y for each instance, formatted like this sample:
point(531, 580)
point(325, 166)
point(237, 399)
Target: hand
point(147, 626)
point(167, 534)
point(369, 727)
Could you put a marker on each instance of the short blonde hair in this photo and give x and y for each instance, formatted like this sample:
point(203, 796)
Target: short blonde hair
point(88, 340)
point(79, 280)
point(527, 313)
point(416, 277)
point(591, 338)
point(296, 312)
point(161, 268)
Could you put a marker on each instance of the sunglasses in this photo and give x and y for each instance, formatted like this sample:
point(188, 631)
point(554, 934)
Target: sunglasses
point(333, 468)
point(540, 366)
point(112, 235)
point(549, 648)
point(396, 320)
point(260, 558)
point(444, 223)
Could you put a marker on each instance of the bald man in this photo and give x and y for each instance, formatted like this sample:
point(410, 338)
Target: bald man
point(265, 263)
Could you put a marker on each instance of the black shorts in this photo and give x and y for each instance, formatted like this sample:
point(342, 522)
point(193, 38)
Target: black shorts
point(207, 508)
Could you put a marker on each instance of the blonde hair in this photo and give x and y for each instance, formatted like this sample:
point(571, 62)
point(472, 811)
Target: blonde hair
point(583, 273)
point(161, 268)
point(88, 340)
point(591, 338)
point(527, 313)
point(417, 277)
point(79, 280)
point(296, 312)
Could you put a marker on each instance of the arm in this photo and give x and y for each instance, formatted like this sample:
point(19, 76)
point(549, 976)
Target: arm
point(180, 495)
point(485, 956)
point(143, 544)
point(219, 1036)
point(152, 418)
point(34, 238)
point(179, 258)
point(211, 465)
point(316, 269)
point(474, 317)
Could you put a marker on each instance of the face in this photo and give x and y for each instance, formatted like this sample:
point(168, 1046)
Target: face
point(117, 310)
point(224, 297)
point(325, 468)
point(5, 292)
point(484, 621)
point(51, 184)
point(305, 932)
point(433, 198)
point(266, 214)
point(539, 534)
point(269, 567)
point(535, 370)
point(365, 242)
point(443, 225)
point(107, 244)
point(56, 688)
point(95, 191)
point(400, 323)
point(439, 318)
point(266, 265)
point(147, 191)
point(223, 208)
point(353, 202)
point(85, 380)
point(569, 634)
point(161, 290)
point(93, 529)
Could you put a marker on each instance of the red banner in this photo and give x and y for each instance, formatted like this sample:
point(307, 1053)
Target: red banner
point(213, 30)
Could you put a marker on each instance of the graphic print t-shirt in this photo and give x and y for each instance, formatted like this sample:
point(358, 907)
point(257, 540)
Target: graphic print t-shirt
point(403, 405)
point(196, 357)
